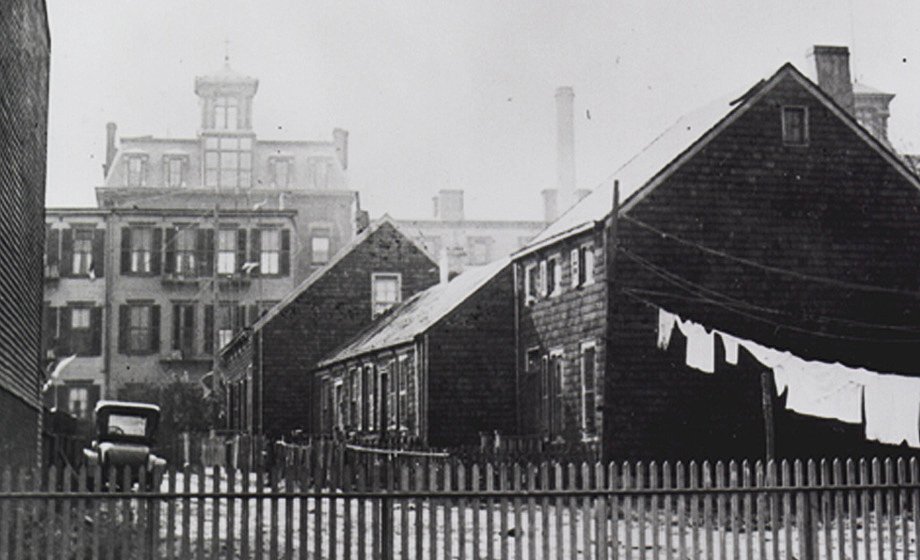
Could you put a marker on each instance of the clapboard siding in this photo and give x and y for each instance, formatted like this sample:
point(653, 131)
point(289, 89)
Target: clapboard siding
point(23, 127)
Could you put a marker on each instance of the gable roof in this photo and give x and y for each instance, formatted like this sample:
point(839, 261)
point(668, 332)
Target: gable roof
point(672, 148)
point(418, 314)
point(313, 278)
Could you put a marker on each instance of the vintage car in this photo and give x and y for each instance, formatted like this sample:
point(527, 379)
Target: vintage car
point(124, 435)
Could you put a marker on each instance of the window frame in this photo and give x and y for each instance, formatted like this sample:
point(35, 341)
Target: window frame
point(375, 276)
point(216, 173)
point(79, 258)
point(135, 333)
point(141, 178)
point(233, 235)
point(593, 434)
point(555, 421)
point(141, 255)
point(785, 109)
point(182, 236)
point(531, 285)
point(175, 178)
point(314, 237)
point(553, 275)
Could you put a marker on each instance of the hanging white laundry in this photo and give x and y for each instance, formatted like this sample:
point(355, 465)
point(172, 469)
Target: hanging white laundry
point(666, 322)
point(824, 390)
point(893, 409)
point(730, 344)
point(700, 346)
point(771, 358)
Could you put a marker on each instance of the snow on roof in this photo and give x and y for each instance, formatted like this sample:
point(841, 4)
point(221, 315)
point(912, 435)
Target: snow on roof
point(419, 313)
point(638, 170)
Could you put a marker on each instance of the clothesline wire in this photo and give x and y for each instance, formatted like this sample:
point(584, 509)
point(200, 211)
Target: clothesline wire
point(691, 286)
point(769, 268)
point(634, 293)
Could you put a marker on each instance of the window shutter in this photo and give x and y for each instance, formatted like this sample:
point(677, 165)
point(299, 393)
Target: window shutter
point(240, 249)
point(53, 246)
point(189, 328)
point(156, 256)
point(123, 326)
point(66, 252)
point(95, 330)
point(201, 252)
point(176, 326)
point(154, 328)
point(209, 252)
point(125, 250)
point(589, 263)
point(575, 267)
point(255, 249)
point(284, 265)
point(543, 283)
point(169, 264)
point(99, 252)
point(49, 328)
point(64, 340)
point(209, 329)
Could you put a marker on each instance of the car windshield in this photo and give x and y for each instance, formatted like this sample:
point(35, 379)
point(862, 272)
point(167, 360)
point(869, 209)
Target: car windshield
point(127, 425)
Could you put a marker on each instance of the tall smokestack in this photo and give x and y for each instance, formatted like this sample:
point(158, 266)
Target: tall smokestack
point(565, 146)
point(833, 70)
point(110, 131)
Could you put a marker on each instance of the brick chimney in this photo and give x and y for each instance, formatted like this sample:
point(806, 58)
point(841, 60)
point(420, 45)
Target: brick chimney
point(833, 70)
point(565, 146)
point(340, 138)
point(110, 131)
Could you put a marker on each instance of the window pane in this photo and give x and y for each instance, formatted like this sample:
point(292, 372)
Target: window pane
point(245, 160)
point(210, 143)
point(320, 246)
point(229, 160)
point(245, 143)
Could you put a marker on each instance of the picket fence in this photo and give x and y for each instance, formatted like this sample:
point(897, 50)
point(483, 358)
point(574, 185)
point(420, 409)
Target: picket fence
point(429, 508)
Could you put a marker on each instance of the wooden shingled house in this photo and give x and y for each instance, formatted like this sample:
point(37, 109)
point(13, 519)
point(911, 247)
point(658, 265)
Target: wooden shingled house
point(269, 365)
point(437, 370)
point(772, 216)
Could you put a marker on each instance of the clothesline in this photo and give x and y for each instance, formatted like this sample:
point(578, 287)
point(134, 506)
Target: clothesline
point(891, 402)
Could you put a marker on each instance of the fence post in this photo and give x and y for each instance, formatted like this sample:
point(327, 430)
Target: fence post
point(386, 511)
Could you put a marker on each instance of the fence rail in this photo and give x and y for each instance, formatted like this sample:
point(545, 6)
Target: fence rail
point(430, 508)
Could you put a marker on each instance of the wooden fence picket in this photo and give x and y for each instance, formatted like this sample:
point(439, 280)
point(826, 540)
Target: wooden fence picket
point(447, 476)
point(681, 513)
point(902, 481)
point(827, 522)
point(245, 507)
point(891, 505)
point(734, 508)
point(720, 509)
point(627, 510)
point(573, 514)
point(878, 509)
point(707, 509)
point(461, 513)
point(785, 472)
point(558, 534)
point(667, 483)
point(759, 479)
point(695, 510)
point(600, 514)
point(639, 483)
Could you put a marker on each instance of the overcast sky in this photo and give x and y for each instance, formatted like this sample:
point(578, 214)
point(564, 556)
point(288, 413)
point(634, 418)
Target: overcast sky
point(448, 94)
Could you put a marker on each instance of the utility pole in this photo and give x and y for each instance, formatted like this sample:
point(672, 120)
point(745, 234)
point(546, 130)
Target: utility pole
point(215, 296)
point(611, 239)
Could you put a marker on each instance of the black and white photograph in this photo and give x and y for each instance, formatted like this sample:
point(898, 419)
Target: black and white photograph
point(460, 280)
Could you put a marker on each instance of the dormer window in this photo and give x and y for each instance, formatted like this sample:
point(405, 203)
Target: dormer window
point(228, 162)
point(795, 126)
point(135, 170)
point(226, 113)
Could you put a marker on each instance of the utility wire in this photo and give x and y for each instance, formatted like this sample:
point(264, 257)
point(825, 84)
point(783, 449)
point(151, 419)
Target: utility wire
point(800, 275)
point(691, 286)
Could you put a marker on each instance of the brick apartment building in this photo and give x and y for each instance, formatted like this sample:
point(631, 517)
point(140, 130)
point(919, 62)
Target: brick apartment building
point(191, 240)
point(24, 57)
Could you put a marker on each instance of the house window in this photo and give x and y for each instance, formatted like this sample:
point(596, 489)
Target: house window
point(582, 265)
point(226, 113)
point(319, 244)
point(339, 406)
point(553, 276)
point(795, 126)
point(392, 389)
point(371, 380)
point(226, 251)
point(81, 335)
point(270, 252)
point(139, 329)
point(78, 402)
point(173, 171)
point(185, 251)
point(281, 172)
point(82, 251)
point(355, 404)
point(589, 389)
point(141, 250)
point(365, 397)
point(531, 282)
point(554, 393)
point(135, 172)
point(385, 291)
point(405, 373)
point(183, 328)
point(228, 162)
point(229, 320)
